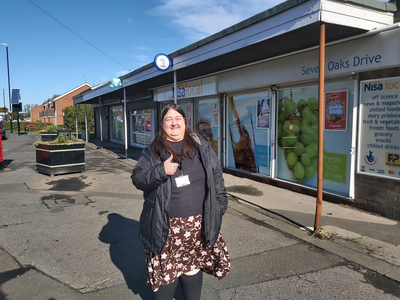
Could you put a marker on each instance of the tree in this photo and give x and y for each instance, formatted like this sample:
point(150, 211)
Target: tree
point(27, 109)
point(70, 119)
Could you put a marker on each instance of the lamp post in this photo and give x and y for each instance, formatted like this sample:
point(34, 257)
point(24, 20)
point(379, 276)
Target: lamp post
point(9, 89)
point(4, 98)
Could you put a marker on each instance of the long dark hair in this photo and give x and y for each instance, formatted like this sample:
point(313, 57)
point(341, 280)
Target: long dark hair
point(160, 142)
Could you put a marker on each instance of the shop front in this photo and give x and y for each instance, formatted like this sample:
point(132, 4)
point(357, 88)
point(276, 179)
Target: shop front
point(271, 129)
point(253, 92)
point(200, 102)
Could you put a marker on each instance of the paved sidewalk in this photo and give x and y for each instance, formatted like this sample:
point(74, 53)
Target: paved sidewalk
point(74, 237)
point(369, 240)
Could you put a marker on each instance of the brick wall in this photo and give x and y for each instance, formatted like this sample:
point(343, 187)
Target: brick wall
point(378, 195)
point(35, 113)
point(66, 101)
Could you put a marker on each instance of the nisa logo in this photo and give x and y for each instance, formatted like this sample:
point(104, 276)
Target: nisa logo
point(181, 92)
point(391, 172)
point(372, 170)
point(380, 171)
point(190, 90)
point(373, 86)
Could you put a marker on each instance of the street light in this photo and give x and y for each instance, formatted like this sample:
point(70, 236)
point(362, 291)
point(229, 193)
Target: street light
point(4, 100)
point(9, 89)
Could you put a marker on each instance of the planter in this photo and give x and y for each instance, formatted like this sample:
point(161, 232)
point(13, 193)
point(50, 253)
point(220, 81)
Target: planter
point(60, 158)
point(48, 136)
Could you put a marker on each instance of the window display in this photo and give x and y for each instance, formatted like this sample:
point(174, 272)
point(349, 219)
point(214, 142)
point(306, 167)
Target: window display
point(117, 124)
point(297, 133)
point(249, 133)
point(206, 117)
point(142, 124)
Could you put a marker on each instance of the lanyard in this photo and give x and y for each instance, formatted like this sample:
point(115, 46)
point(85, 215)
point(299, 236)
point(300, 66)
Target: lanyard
point(180, 161)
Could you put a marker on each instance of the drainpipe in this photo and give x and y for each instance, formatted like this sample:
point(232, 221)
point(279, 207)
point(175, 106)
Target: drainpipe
point(321, 114)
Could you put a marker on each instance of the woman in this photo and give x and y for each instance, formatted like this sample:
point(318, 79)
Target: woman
point(185, 199)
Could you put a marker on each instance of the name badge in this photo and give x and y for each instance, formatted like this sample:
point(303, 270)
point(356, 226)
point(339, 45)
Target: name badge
point(182, 181)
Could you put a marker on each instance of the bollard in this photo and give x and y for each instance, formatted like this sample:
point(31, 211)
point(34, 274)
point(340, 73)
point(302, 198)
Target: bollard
point(1, 152)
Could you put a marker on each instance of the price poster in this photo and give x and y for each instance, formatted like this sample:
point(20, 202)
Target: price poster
point(379, 136)
point(336, 110)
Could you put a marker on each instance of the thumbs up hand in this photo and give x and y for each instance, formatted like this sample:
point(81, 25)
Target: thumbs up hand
point(170, 166)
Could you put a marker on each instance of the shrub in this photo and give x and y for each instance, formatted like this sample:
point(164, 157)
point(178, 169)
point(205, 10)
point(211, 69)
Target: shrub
point(50, 127)
point(31, 127)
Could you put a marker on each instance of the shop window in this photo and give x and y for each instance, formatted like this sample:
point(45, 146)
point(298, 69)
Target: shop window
point(206, 121)
point(249, 134)
point(297, 133)
point(117, 124)
point(142, 127)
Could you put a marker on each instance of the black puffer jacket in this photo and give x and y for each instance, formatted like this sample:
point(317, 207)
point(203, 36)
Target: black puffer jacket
point(149, 176)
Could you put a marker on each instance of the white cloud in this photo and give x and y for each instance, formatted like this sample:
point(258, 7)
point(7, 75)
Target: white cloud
point(142, 58)
point(142, 48)
point(201, 18)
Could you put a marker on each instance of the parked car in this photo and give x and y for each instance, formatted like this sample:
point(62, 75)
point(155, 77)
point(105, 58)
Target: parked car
point(3, 131)
point(148, 125)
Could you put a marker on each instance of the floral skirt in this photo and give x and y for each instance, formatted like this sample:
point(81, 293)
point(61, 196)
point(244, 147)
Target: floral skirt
point(186, 250)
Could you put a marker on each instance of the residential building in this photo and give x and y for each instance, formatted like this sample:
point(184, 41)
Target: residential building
point(51, 111)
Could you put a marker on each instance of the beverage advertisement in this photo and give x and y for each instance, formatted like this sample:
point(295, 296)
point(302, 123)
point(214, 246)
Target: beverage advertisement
point(249, 147)
point(379, 140)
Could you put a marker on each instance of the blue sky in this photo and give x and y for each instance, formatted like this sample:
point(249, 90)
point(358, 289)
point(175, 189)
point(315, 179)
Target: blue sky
point(55, 46)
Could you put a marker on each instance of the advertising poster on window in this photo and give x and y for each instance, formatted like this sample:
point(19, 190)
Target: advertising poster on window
point(214, 113)
point(297, 133)
point(249, 147)
point(379, 140)
point(262, 113)
point(336, 110)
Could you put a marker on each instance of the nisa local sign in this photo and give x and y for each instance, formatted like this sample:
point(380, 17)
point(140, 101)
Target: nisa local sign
point(381, 85)
point(190, 89)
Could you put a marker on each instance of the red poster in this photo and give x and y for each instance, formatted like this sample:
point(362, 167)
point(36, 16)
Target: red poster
point(336, 110)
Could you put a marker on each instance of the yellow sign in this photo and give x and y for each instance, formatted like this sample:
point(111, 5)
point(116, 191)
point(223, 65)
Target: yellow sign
point(392, 160)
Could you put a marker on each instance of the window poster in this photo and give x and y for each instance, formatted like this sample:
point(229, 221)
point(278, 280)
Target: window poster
point(379, 136)
point(297, 133)
point(249, 133)
point(206, 121)
point(336, 110)
point(262, 113)
point(214, 119)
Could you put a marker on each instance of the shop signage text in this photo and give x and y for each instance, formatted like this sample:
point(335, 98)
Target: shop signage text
point(356, 61)
point(190, 90)
point(379, 144)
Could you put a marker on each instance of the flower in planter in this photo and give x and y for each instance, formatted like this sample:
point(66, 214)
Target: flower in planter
point(62, 139)
point(60, 156)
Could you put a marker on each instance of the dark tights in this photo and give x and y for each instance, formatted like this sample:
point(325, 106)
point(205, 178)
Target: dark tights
point(191, 288)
